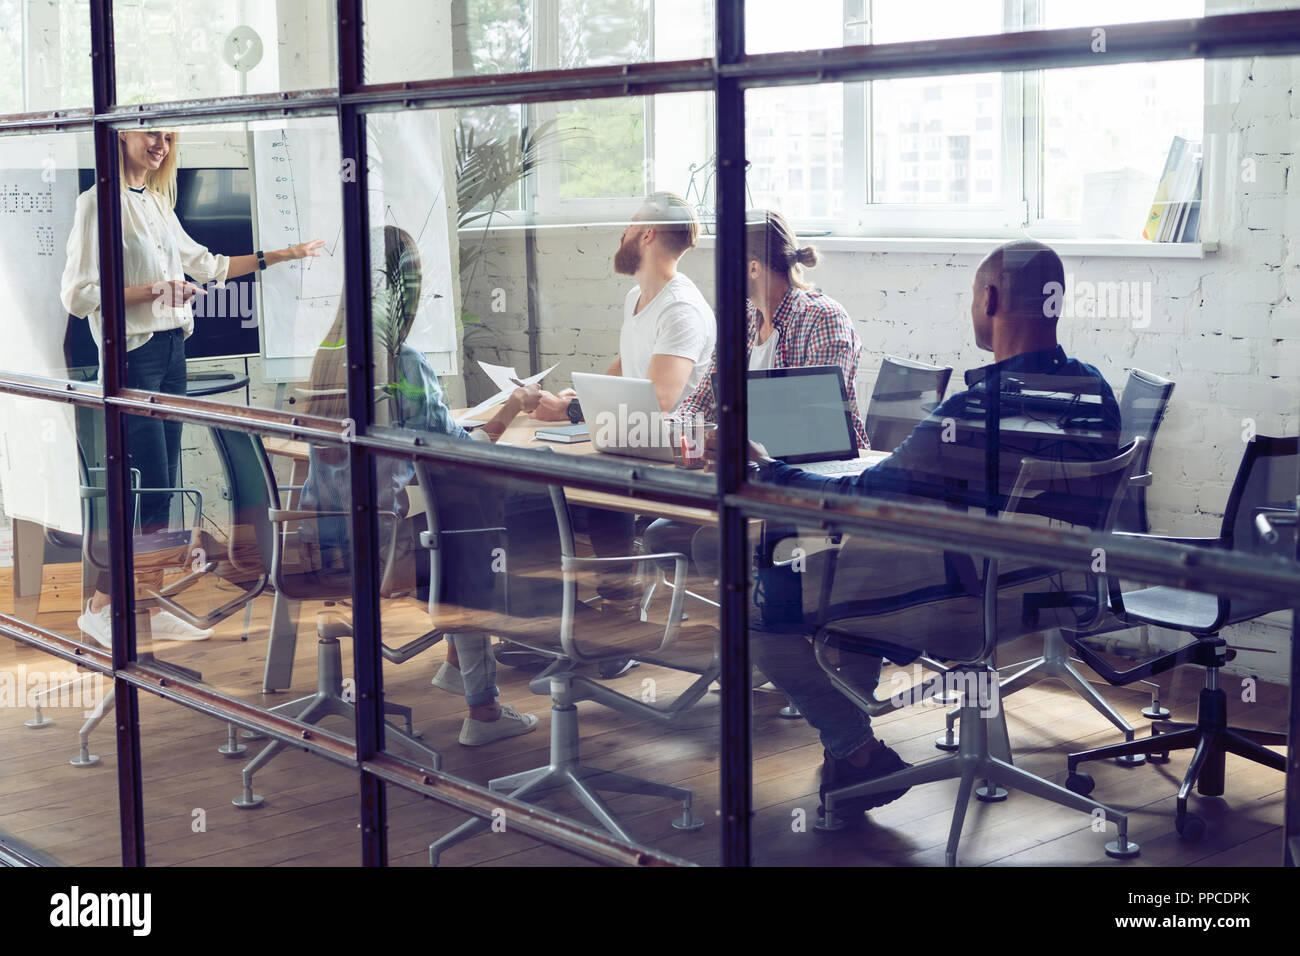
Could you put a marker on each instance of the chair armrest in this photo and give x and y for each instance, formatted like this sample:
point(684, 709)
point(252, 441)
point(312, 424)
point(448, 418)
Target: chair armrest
point(1194, 542)
point(578, 564)
point(426, 537)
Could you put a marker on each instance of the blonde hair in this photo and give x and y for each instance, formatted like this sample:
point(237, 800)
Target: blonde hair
point(162, 181)
point(772, 242)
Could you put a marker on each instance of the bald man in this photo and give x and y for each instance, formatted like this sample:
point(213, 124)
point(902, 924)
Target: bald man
point(1016, 298)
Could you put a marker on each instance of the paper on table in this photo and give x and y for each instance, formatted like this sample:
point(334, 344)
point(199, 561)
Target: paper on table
point(508, 372)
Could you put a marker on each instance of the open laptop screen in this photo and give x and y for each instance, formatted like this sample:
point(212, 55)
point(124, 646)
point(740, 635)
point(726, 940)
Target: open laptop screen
point(801, 414)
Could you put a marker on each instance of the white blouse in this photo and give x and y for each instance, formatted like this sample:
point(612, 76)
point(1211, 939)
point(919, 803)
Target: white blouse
point(155, 248)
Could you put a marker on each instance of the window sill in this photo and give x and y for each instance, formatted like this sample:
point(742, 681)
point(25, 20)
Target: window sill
point(1112, 248)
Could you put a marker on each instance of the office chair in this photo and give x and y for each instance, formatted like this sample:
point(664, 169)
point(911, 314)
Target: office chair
point(961, 618)
point(532, 600)
point(1142, 409)
point(1264, 489)
point(153, 553)
point(298, 576)
point(905, 392)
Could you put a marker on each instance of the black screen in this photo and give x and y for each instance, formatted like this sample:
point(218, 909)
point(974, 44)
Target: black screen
point(215, 207)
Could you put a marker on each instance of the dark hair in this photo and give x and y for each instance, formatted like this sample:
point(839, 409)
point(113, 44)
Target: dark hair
point(392, 318)
point(772, 242)
point(1029, 277)
point(673, 219)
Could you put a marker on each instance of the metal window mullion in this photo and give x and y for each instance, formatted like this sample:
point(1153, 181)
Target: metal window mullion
point(367, 663)
point(736, 796)
point(126, 715)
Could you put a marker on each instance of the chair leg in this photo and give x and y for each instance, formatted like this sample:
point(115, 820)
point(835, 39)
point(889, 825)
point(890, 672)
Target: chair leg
point(1269, 738)
point(84, 757)
point(1179, 740)
point(959, 811)
point(1085, 689)
point(1204, 748)
point(475, 825)
point(1235, 742)
point(596, 806)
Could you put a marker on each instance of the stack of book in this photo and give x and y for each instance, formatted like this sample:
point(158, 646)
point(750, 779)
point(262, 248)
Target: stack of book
point(1176, 210)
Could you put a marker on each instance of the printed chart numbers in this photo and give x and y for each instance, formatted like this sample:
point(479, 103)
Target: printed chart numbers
point(45, 240)
point(18, 200)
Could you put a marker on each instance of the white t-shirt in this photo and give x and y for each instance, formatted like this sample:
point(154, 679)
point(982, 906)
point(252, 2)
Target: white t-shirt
point(677, 321)
point(763, 356)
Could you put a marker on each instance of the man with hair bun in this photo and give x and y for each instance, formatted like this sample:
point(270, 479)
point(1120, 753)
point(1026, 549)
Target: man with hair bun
point(788, 326)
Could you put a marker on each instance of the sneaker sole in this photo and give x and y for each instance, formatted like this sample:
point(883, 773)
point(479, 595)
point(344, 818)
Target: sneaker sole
point(518, 730)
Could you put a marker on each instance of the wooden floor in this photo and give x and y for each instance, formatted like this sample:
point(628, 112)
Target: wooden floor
point(309, 816)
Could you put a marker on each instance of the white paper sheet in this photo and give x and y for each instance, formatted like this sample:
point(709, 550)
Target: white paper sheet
point(499, 374)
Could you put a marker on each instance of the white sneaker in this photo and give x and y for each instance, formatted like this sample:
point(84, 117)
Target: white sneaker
point(168, 627)
point(475, 733)
point(449, 679)
point(98, 625)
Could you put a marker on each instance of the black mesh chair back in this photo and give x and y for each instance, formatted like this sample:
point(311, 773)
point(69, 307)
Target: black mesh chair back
point(494, 543)
point(905, 392)
point(1142, 409)
point(252, 536)
point(1267, 479)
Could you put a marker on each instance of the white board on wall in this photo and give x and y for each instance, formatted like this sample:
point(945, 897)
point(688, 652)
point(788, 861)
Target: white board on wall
point(38, 450)
point(298, 197)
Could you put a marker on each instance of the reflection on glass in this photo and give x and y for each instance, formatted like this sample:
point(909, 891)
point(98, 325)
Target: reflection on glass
point(221, 48)
point(489, 558)
point(310, 815)
point(512, 36)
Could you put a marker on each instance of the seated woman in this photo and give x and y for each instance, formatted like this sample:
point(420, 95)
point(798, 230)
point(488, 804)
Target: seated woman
point(414, 401)
point(789, 325)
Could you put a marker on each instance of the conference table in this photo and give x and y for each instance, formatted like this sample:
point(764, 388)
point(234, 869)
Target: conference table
point(522, 432)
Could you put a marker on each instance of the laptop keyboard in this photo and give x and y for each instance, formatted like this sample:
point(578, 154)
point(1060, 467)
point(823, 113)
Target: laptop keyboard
point(849, 466)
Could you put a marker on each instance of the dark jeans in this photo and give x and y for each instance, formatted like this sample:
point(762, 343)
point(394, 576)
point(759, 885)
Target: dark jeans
point(153, 446)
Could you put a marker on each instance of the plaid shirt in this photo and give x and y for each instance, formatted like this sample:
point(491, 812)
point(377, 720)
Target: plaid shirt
point(814, 329)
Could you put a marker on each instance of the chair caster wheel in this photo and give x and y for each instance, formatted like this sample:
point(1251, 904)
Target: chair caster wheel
point(1123, 849)
point(1158, 758)
point(948, 742)
point(790, 712)
point(84, 760)
point(247, 801)
point(1131, 760)
point(990, 793)
point(1080, 783)
point(1190, 827)
point(1156, 712)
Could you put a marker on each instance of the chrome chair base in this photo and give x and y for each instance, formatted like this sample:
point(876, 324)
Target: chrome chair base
point(328, 701)
point(984, 754)
point(566, 772)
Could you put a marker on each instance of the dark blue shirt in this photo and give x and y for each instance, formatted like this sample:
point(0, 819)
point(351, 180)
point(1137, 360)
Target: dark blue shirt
point(1050, 407)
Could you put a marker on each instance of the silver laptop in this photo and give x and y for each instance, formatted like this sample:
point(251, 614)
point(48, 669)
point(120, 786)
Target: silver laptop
point(803, 417)
point(623, 416)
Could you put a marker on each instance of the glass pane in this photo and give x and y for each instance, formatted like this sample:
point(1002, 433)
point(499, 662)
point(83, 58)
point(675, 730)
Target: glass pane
point(221, 48)
point(476, 588)
point(45, 271)
point(512, 36)
point(239, 188)
point(57, 806)
point(769, 27)
point(1091, 353)
point(308, 816)
point(51, 455)
point(938, 140)
point(414, 820)
point(569, 257)
point(218, 577)
point(44, 56)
